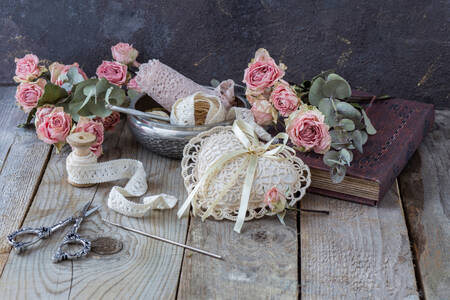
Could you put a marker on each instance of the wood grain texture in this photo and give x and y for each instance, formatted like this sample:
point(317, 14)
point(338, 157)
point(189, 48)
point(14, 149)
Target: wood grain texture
point(22, 158)
point(425, 191)
point(357, 252)
point(261, 262)
point(144, 268)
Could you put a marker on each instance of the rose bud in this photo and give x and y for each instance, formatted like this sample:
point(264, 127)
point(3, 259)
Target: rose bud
point(124, 53)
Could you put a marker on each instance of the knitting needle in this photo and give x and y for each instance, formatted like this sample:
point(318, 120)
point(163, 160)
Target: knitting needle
point(164, 240)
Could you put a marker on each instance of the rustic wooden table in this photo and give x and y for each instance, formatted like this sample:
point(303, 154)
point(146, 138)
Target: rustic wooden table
point(399, 250)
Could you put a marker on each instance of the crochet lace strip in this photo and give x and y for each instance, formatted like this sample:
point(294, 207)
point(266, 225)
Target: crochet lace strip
point(85, 170)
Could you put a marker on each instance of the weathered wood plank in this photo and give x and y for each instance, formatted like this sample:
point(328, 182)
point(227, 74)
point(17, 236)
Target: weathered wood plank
point(357, 252)
point(22, 159)
point(425, 191)
point(144, 268)
point(261, 262)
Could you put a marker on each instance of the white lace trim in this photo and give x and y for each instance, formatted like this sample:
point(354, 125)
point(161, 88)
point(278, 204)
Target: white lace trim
point(86, 170)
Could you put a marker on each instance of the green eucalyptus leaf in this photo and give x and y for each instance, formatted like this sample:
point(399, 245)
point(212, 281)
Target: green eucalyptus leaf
point(337, 173)
point(117, 96)
point(345, 156)
point(369, 127)
point(101, 87)
point(357, 140)
point(340, 87)
point(325, 106)
point(315, 92)
point(339, 139)
point(347, 124)
point(364, 137)
point(89, 90)
point(78, 93)
point(348, 111)
point(97, 108)
point(52, 94)
point(331, 158)
point(108, 94)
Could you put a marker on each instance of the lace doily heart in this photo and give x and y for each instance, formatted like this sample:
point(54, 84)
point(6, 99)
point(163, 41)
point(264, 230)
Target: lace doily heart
point(223, 191)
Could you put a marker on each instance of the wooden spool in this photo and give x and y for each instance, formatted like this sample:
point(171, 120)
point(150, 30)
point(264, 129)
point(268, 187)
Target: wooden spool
point(80, 142)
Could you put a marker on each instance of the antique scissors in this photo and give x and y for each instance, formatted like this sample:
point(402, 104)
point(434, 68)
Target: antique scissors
point(70, 238)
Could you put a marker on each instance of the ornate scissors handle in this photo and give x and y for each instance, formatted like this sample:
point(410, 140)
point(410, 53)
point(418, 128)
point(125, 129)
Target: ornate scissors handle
point(40, 233)
point(73, 238)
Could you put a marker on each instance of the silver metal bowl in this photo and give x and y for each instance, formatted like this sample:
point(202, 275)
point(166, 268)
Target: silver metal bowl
point(163, 138)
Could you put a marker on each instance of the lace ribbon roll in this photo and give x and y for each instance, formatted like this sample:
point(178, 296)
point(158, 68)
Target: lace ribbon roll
point(197, 109)
point(166, 86)
point(84, 170)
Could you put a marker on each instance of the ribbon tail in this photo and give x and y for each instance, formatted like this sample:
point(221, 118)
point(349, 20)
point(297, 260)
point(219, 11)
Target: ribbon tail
point(248, 183)
point(187, 204)
point(213, 168)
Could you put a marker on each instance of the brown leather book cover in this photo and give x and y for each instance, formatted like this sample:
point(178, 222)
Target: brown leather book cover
point(401, 126)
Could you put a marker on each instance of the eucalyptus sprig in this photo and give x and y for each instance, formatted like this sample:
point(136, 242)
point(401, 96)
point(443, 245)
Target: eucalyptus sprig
point(348, 122)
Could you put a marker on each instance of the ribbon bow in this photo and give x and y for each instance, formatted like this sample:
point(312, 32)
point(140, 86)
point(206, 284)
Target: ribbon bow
point(253, 149)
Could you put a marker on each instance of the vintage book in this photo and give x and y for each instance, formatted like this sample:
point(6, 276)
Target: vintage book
point(401, 126)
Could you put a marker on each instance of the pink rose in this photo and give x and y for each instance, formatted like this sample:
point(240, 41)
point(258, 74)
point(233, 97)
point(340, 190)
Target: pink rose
point(284, 99)
point(114, 72)
point(262, 72)
point(28, 94)
point(133, 85)
point(110, 121)
point(54, 127)
point(124, 53)
point(27, 68)
point(94, 127)
point(41, 112)
point(306, 129)
point(275, 200)
point(56, 70)
point(263, 112)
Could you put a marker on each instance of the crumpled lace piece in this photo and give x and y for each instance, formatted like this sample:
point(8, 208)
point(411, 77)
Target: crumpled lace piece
point(166, 86)
point(86, 170)
point(197, 109)
point(245, 114)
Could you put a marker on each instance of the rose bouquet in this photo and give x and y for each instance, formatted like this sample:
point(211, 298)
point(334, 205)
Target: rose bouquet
point(62, 99)
point(317, 115)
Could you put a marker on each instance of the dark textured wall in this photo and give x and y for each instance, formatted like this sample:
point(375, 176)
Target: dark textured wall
point(396, 47)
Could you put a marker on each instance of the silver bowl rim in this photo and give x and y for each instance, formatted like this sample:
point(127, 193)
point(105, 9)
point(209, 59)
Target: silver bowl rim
point(150, 123)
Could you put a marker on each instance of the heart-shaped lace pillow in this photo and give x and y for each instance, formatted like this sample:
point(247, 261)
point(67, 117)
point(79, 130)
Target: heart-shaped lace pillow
point(220, 195)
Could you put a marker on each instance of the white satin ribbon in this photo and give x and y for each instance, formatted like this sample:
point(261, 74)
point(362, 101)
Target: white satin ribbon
point(86, 170)
point(253, 149)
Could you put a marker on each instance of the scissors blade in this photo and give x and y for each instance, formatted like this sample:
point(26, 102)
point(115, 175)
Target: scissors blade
point(91, 211)
point(85, 208)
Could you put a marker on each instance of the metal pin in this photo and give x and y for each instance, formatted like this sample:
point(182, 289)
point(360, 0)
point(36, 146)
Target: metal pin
point(164, 240)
